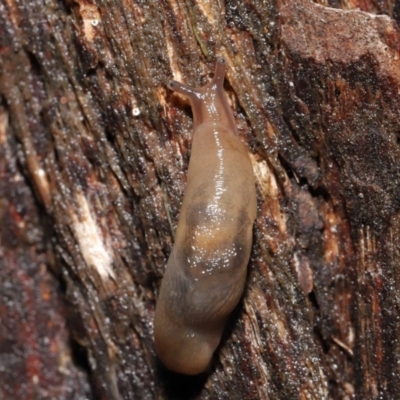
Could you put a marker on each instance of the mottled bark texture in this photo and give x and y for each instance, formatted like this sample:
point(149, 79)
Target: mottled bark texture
point(94, 151)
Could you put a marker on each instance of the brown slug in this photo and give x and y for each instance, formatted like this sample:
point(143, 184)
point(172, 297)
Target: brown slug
point(206, 271)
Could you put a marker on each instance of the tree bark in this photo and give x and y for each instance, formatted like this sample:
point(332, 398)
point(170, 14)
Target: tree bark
point(94, 152)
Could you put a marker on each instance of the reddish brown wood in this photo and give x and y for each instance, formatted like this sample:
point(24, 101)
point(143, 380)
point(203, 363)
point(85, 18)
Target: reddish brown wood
point(96, 150)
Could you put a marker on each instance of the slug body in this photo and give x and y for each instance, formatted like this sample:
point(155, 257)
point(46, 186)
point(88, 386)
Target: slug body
point(206, 271)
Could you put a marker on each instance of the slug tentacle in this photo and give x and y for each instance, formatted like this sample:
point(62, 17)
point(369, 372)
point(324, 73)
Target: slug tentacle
point(217, 83)
point(206, 271)
point(185, 90)
point(209, 102)
point(219, 73)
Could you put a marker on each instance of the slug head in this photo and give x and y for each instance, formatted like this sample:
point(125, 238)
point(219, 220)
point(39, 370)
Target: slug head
point(209, 103)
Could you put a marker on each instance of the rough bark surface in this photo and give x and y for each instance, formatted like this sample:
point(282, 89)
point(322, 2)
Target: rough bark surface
point(93, 158)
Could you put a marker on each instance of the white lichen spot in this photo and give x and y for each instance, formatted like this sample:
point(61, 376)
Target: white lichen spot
point(3, 126)
point(40, 173)
point(304, 273)
point(281, 328)
point(91, 19)
point(39, 178)
point(171, 51)
point(350, 336)
point(91, 244)
point(210, 10)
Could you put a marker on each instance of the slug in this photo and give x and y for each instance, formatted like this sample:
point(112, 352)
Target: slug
point(206, 271)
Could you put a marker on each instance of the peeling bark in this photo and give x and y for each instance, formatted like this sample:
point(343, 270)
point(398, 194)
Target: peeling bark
point(93, 158)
